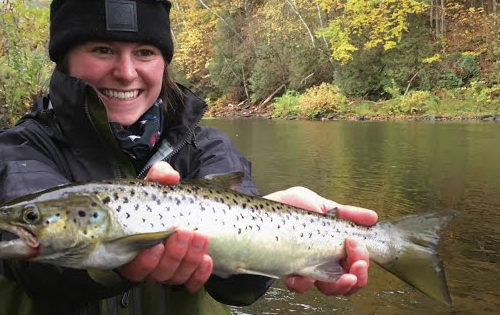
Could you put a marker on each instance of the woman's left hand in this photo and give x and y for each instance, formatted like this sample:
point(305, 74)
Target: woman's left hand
point(357, 261)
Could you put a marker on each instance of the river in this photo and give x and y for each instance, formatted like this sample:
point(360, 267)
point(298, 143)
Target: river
point(395, 168)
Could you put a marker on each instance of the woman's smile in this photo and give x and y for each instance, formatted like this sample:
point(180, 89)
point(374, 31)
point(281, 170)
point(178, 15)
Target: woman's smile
point(119, 94)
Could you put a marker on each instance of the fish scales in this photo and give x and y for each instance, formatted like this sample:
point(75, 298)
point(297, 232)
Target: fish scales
point(104, 225)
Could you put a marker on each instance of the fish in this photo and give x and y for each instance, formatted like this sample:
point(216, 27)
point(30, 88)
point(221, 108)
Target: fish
point(103, 225)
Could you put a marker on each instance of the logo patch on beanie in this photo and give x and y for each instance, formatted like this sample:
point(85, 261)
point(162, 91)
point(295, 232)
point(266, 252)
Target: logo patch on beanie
point(121, 15)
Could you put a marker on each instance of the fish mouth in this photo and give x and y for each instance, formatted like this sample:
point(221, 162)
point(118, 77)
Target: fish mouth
point(26, 244)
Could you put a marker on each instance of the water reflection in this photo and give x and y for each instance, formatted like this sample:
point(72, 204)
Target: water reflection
point(397, 169)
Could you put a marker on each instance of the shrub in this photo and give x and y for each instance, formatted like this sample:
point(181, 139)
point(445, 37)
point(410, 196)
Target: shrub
point(414, 103)
point(324, 100)
point(481, 93)
point(24, 64)
point(451, 81)
point(287, 105)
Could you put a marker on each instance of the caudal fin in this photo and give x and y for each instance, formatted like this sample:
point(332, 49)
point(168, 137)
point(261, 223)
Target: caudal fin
point(418, 262)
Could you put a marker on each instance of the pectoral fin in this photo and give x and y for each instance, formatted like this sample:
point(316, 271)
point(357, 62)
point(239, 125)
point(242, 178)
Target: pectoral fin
point(136, 242)
point(105, 277)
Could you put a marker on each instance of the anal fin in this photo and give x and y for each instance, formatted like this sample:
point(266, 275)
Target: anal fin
point(330, 271)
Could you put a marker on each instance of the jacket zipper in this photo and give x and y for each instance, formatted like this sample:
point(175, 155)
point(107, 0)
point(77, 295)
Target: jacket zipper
point(184, 141)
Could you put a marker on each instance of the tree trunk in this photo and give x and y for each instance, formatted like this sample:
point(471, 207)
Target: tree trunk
point(296, 10)
point(494, 7)
point(221, 18)
point(443, 7)
point(431, 11)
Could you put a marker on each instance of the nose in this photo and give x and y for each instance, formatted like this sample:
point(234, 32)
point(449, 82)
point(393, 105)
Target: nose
point(124, 68)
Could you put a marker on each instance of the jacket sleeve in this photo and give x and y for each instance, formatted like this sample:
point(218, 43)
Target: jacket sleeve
point(26, 166)
point(217, 154)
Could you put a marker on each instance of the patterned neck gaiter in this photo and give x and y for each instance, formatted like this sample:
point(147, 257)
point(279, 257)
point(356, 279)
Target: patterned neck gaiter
point(139, 139)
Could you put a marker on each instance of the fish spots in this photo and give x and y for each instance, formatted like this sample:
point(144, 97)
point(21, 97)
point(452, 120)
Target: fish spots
point(116, 196)
point(125, 199)
point(119, 208)
point(81, 213)
point(128, 215)
point(106, 200)
point(277, 239)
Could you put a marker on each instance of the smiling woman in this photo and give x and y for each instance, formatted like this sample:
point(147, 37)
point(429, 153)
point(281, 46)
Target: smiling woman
point(127, 76)
point(113, 112)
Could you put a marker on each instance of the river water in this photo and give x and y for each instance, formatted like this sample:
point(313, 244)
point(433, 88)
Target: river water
point(395, 168)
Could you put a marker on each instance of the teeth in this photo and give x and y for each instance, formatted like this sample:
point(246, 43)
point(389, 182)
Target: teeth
point(120, 94)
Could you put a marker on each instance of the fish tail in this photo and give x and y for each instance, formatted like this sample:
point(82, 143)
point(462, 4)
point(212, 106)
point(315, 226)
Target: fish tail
point(417, 261)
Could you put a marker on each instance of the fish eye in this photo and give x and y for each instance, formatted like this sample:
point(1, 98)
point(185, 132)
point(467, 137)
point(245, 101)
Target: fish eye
point(31, 214)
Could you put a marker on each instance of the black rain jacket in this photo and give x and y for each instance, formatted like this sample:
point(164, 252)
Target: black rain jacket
point(67, 138)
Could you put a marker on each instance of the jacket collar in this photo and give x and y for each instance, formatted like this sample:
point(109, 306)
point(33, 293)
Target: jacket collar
point(71, 97)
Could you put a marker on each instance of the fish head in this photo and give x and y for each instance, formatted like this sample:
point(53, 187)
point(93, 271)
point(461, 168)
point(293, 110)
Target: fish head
point(60, 230)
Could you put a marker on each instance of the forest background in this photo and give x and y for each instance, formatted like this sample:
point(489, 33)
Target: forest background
point(315, 59)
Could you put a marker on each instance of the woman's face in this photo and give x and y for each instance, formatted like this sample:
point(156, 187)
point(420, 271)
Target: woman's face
point(127, 76)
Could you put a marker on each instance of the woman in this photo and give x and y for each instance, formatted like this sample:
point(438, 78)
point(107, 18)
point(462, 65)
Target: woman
point(114, 112)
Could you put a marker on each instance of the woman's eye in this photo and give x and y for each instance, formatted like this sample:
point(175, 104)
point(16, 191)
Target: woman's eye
point(145, 52)
point(102, 50)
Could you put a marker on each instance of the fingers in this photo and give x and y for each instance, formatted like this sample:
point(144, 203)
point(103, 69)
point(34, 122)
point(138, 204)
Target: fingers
point(357, 215)
point(143, 264)
point(161, 172)
point(309, 200)
point(343, 286)
point(357, 263)
point(182, 259)
point(184, 251)
point(299, 284)
point(303, 198)
point(355, 251)
point(201, 275)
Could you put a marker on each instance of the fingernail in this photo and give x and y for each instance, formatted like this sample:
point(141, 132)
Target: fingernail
point(205, 266)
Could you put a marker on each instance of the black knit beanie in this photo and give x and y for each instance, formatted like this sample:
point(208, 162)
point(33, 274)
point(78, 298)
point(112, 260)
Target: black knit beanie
point(74, 22)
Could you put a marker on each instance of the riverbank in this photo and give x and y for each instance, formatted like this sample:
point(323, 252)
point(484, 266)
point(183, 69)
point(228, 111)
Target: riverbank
point(234, 111)
point(459, 105)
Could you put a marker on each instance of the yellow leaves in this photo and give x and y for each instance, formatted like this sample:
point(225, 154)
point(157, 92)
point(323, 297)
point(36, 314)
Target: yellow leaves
point(432, 59)
point(370, 23)
point(194, 27)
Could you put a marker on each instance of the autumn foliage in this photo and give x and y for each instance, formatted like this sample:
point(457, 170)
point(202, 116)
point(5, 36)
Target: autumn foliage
point(250, 51)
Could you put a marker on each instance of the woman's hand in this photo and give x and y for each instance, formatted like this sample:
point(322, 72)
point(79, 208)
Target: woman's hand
point(357, 261)
point(181, 259)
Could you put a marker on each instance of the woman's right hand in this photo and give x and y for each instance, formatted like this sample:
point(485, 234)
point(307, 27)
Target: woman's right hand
point(180, 260)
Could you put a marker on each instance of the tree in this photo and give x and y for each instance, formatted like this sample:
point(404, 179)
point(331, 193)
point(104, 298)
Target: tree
point(369, 23)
